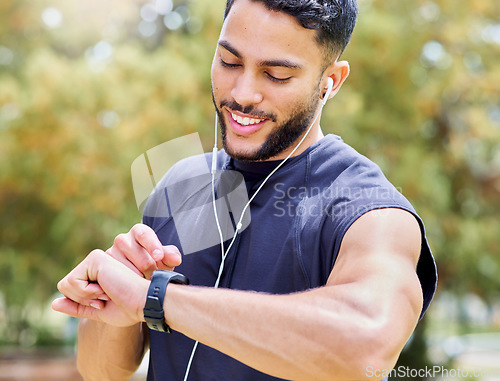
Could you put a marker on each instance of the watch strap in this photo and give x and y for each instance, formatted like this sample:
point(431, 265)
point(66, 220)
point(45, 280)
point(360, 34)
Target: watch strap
point(153, 308)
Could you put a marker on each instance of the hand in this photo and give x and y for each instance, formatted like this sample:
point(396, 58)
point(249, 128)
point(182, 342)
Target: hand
point(142, 252)
point(103, 289)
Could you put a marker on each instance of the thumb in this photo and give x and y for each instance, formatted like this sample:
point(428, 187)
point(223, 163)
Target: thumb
point(71, 308)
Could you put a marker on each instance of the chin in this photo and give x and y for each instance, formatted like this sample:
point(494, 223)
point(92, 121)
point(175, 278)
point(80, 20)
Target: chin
point(240, 153)
point(241, 147)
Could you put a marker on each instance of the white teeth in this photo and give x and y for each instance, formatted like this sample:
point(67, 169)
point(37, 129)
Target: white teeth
point(245, 121)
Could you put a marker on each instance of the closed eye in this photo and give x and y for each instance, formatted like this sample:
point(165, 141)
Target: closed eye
point(271, 77)
point(226, 64)
point(278, 80)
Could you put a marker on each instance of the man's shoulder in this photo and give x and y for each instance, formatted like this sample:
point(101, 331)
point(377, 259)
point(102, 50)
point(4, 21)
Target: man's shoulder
point(348, 184)
point(335, 160)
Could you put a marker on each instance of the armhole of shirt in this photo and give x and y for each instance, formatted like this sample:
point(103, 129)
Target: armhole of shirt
point(426, 266)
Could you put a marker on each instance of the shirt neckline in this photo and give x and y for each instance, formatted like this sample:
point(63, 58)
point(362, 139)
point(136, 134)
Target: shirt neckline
point(256, 169)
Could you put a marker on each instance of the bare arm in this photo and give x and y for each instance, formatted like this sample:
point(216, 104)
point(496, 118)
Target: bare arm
point(114, 353)
point(106, 352)
point(361, 319)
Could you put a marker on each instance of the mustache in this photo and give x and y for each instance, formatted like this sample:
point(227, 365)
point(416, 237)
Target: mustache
point(235, 106)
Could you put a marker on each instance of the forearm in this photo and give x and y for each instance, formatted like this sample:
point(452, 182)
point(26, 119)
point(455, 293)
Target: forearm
point(107, 353)
point(308, 336)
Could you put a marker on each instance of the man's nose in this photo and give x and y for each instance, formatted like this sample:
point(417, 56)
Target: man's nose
point(245, 91)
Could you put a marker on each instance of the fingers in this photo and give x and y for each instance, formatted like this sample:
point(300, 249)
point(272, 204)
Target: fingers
point(141, 250)
point(102, 288)
point(71, 308)
point(82, 296)
point(132, 255)
point(136, 249)
point(171, 258)
point(79, 285)
point(147, 238)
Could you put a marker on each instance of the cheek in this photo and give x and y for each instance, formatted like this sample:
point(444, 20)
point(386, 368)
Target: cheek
point(284, 101)
point(214, 79)
point(220, 83)
point(294, 101)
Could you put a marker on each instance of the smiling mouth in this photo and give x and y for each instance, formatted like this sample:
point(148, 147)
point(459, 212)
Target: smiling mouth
point(245, 121)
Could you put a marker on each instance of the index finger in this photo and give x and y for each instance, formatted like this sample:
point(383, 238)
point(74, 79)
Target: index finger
point(171, 258)
point(147, 238)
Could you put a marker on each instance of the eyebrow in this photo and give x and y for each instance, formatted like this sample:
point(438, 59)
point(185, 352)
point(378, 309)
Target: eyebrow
point(265, 63)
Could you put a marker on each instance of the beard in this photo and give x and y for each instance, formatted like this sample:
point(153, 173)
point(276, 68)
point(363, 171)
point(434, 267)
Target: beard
point(281, 138)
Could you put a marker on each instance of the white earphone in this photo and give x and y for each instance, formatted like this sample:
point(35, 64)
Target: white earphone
point(330, 84)
point(329, 88)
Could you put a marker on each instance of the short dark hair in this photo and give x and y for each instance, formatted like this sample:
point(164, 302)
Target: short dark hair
point(333, 19)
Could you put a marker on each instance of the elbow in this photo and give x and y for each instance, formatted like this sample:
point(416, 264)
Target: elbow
point(103, 370)
point(380, 342)
point(103, 373)
point(370, 354)
point(364, 368)
point(377, 353)
point(88, 372)
point(374, 366)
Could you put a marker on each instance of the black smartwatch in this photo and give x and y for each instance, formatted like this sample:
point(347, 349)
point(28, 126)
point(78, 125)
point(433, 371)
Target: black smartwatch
point(153, 309)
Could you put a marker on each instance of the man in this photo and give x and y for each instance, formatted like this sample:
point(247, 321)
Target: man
point(333, 272)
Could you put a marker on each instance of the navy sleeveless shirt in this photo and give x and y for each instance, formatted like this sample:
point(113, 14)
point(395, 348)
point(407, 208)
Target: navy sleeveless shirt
point(297, 222)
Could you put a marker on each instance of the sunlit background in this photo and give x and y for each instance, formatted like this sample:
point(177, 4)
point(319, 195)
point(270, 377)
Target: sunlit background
point(87, 86)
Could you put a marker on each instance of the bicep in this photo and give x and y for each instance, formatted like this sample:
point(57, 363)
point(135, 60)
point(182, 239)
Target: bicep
point(377, 261)
point(391, 236)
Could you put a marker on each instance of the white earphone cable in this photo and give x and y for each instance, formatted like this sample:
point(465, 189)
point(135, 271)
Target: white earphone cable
point(239, 224)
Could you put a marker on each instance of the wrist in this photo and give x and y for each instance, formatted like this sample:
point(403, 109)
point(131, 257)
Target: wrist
point(154, 307)
point(144, 287)
point(171, 304)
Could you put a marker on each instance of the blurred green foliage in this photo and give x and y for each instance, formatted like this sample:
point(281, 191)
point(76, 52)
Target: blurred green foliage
point(86, 87)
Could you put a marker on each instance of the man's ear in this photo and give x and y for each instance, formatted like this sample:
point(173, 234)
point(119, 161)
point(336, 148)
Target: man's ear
point(338, 71)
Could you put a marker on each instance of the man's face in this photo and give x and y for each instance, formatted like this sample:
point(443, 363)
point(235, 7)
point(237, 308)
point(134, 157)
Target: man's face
point(265, 81)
